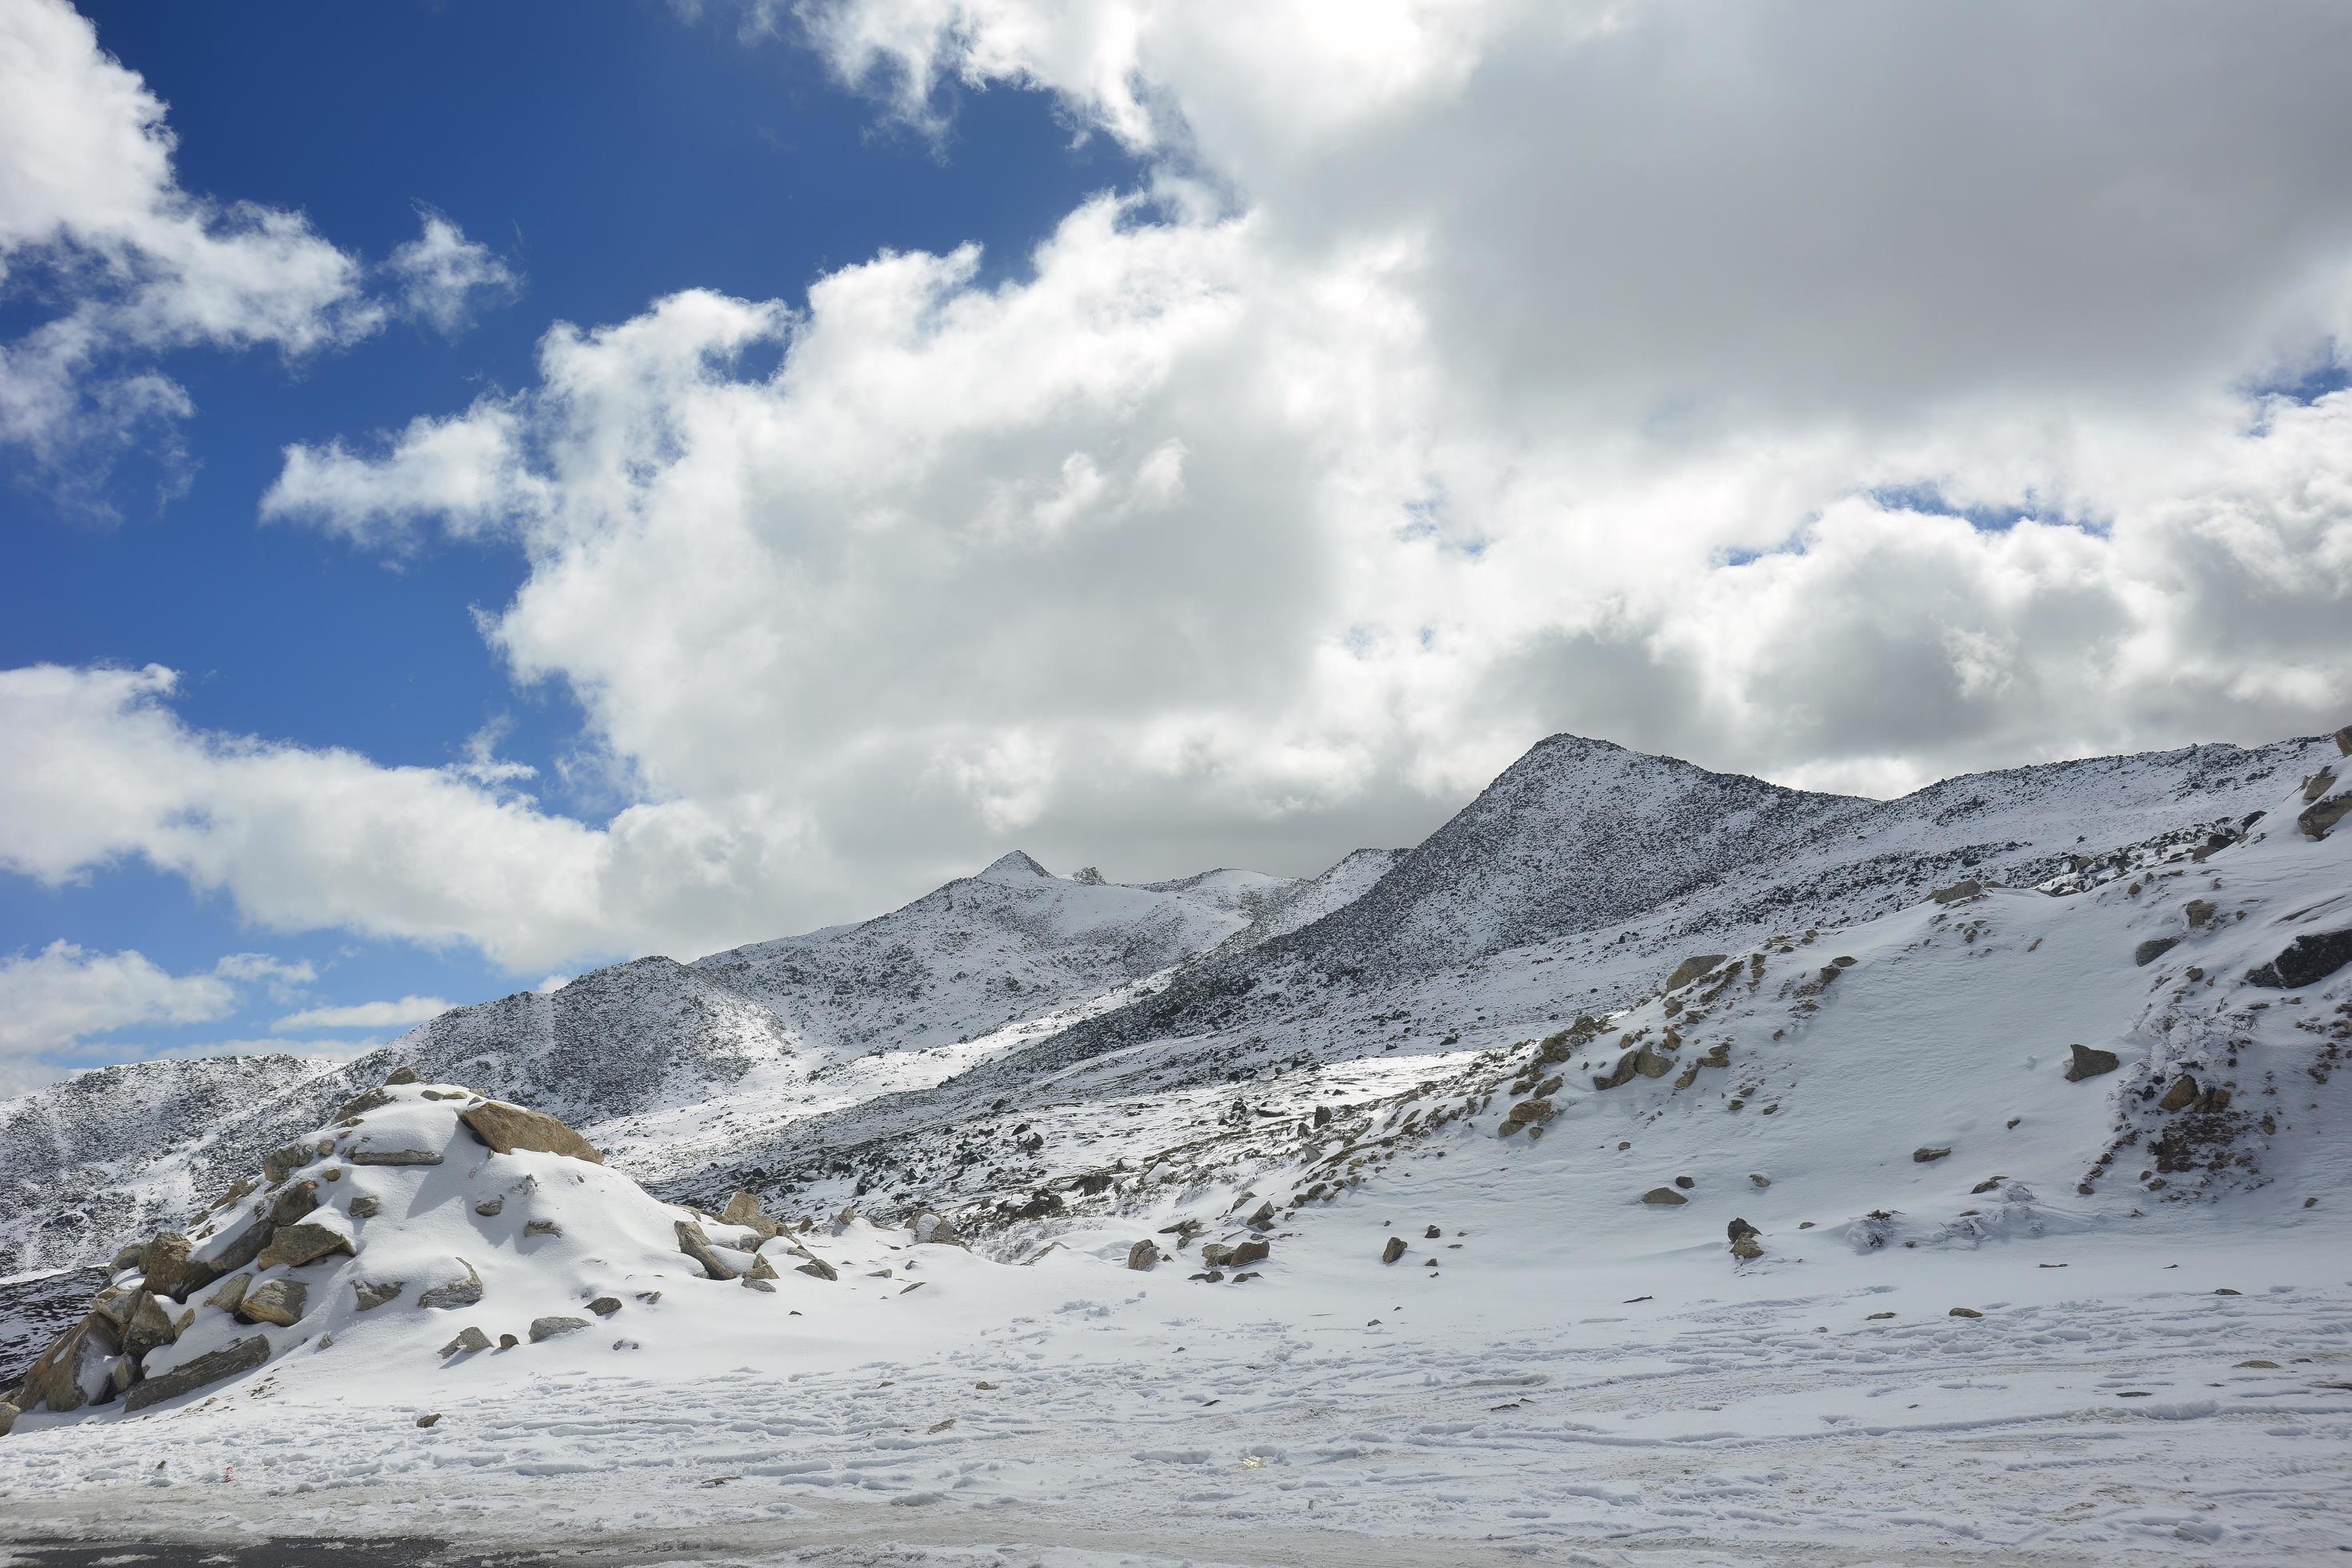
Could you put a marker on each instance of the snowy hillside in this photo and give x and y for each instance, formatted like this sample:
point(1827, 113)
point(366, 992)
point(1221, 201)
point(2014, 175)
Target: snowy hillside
point(1976, 1220)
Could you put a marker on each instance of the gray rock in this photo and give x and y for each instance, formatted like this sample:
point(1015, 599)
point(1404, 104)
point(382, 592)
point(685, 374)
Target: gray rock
point(306, 1242)
point(490, 1208)
point(469, 1338)
point(604, 1306)
point(1694, 968)
point(394, 1156)
point(509, 1128)
point(399, 1075)
point(1394, 1250)
point(2154, 948)
point(541, 1228)
point(2089, 1062)
point(751, 1283)
point(370, 1294)
point(2180, 1096)
point(552, 1327)
point(1254, 1250)
point(1143, 1254)
point(464, 1292)
point(1664, 1197)
point(243, 1355)
point(2306, 961)
point(697, 1246)
point(230, 1292)
point(818, 1269)
point(1928, 1156)
point(367, 1205)
point(278, 1301)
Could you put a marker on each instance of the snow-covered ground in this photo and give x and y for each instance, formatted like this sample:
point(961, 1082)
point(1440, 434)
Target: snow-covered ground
point(2001, 1300)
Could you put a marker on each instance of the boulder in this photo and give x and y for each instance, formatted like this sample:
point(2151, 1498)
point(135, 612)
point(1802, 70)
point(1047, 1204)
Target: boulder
point(368, 1294)
point(1254, 1250)
point(169, 1271)
point(1927, 1156)
point(1694, 968)
point(361, 1104)
point(2306, 961)
point(306, 1242)
point(507, 1128)
point(399, 1075)
point(1759, 1181)
point(8, 1414)
point(554, 1327)
point(541, 1228)
point(293, 1201)
point(2317, 818)
point(760, 1267)
point(2154, 948)
point(2180, 1096)
point(604, 1306)
point(1527, 1110)
point(697, 1246)
point(2198, 911)
point(1664, 1198)
point(364, 1156)
point(469, 1338)
point(752, 1282)
point(1394, 1250)
point(2344, 740)
point(1647, 1061)
point(1217, 1254)
point(1747, 1249)
point(240, 1355)
point(367, 1205)
point(741, 1209)
point(464, 1292)
point(1738, 1230)
point(147, 1326)
point(231, 1291)
point(2089, 1062)
point(935, 1229)
point(507, 1341)
point(818, 1269)
point(490, 1208)
point(1964, 1312)
point(1143, 1254)
point(278, 1301)
point(73, 1370)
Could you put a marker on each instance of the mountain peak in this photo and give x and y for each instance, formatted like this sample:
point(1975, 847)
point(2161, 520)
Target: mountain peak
point(1012, 868)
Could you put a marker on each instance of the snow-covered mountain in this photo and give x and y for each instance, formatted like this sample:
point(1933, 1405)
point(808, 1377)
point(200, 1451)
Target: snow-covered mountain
point(1881, 1158)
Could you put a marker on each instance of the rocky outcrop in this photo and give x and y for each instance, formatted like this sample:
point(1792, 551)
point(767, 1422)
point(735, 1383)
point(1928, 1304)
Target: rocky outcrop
point(240, 1356)
point(507, 1128)
point(2154, 948)
point(2088, 1061)
point(697, 1246)
point(464, 1292)
point(2306, 961)
point(1696, 967)
point(2180, 1096)
point(278, 1302)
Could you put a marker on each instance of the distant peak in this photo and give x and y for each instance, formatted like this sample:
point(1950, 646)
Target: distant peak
point(1012, 868)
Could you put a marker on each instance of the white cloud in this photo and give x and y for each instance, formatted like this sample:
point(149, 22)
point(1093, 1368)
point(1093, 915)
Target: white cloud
point(51, 999)
point(443, 278)
point(397, 1014)
point(92, 216)
point(1465, 373)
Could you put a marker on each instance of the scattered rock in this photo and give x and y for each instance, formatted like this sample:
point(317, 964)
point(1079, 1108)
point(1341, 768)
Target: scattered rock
point(399, 1075)
point(368, 1295)
point(231, 1292)
point(428, 1420)
point(2200, 910)
point(1432, 1234)
point(367, 1205)
point(554, 1327)
point(1958, 893)
point(1686, 1182)
point(241, 1355)
point(8, 1414)
point(293, 1202)
point(818, 1269)
point(1254, 1250)
point(490, 1208)
point(1927, 1156)
point(1739, 1230)
point(1665, 1197)
point(469, 1338)
point(2258, 1364)
point(278, 1302)
point(934, 1229)
point(2306, 961)
point(1876, 1317)
point(1759, 1181)
point(463, 1292)
point(1394, 1250)
point(2180, 1096)
point(2089, 1062)
point(1746, 1249)
point(604, 1306)
point(509, 1128)
point(1143, 1254)
point(1217, 1254)
point(307, 1242)
point(2343, 739)
point(1694, 968)
point(507, 1341)
point(697, 1246)
point(1965, 1312)
point(2316, 819)
point(363, 1156)
point(2154, 948)
point(541, 1228)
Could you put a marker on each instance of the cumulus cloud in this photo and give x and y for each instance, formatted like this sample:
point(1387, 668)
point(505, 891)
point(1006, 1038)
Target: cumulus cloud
point(50, 999)
point(94, 223)
point(1848, 394)
point(444, 279)
point(397, 1014)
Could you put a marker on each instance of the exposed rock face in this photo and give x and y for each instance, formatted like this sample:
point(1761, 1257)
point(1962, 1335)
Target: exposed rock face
point(464, 1292)
point(507, 1128)
point(2089, 1062)
point(243, 1355)
point(278, 1301)
point(1694, 968)
point(2306, 961)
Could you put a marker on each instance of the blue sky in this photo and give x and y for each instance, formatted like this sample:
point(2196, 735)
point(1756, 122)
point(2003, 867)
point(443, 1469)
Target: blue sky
point(493, 488)
point(608, 166)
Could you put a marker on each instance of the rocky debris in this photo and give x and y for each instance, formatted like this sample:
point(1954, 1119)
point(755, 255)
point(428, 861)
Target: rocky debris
point(1432, 1234)
point(1143, 1254)
point(818, 1269)
point(935, 1229)
point(756, 1282)
point(292, 1202)
point(1927, 1156)
point(1687, 1182)
point(168, 1271)
point(2321, 816)
point(276, 1301)
point(1964, 1312)
point(2088, 1061)
point(399, 1075)
point(464, 1292)
point(1759, 1181)
point(1664, 1197)
point(1957, 893)
point(2200, 911)
point(1744, 1239)
point(1255, 1250)
point(431, 1420)
point(365, 1156)
point(469, 1338)
point(697, 1246)
point(2306, 961)
point(367, 1295)
point(367, 1205)
point(1526, 1113)
point(1394, 1250)
point(1697, 967)
point(760, 1267)
point(306, 1242)
point(554, 1327)
point(240, 1355)
point(1217, 1254)
point(743, 1209)
point(604, 1306)
point(2154, 948)
point(541, 1228)
point(149, 1325)
point(230, 1293)
point(507, 1129)
point(2180, 1096)
point(73, 1370)
point(490, 1208)
point(1646, 1062)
